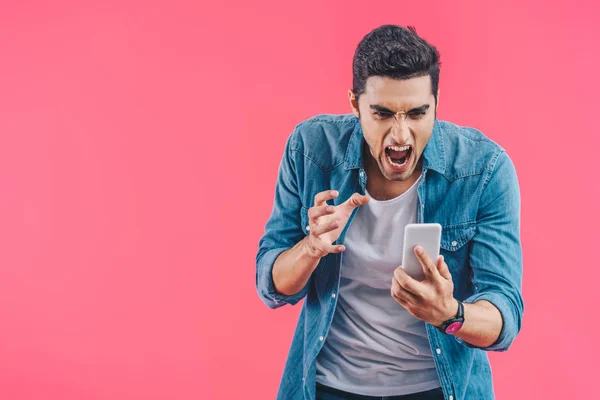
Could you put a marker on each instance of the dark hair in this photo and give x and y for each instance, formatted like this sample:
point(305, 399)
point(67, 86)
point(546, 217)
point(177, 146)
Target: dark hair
point(396, 52)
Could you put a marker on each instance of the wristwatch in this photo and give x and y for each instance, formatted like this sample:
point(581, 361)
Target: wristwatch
point(453, 325)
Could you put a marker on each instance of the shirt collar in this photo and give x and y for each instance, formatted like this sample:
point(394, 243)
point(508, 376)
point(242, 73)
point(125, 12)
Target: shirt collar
point(433, 155)
point(353, 157)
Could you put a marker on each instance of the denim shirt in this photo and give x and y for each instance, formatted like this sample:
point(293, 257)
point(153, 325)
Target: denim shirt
point(469, 186)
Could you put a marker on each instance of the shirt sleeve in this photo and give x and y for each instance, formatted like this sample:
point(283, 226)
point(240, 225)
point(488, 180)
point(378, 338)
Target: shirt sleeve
point(496, 255)
point(282, 231)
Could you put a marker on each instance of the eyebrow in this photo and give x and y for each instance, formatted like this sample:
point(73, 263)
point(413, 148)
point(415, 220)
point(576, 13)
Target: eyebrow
point(377, 107)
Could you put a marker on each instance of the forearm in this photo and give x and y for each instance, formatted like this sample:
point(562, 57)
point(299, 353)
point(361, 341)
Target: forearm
point(293, 268)
point(483, 324)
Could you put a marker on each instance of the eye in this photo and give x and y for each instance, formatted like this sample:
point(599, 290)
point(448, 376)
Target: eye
point(382, 114)
point(417, 114)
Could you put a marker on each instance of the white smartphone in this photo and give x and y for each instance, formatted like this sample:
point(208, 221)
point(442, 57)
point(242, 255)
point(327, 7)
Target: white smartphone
point(428, 236)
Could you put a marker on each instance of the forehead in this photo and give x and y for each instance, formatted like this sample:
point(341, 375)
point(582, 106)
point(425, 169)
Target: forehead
point(398, 93)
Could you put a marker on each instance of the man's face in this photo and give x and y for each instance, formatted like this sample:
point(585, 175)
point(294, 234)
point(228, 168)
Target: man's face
point(397, 119)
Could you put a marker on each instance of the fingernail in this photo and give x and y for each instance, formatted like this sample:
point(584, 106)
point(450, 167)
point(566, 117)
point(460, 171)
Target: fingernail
point(334, 192)
point(419, 250)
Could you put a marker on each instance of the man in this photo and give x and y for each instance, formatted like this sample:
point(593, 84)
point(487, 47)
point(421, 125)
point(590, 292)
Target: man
point(347, 187)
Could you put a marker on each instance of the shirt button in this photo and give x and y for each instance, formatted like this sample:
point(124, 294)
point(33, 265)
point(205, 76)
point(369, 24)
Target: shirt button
point(361, 173)
point(308, 228)
point(321, 338)
point(451, 398)
point(438, 351)
point(454, 243)
point(333, 295)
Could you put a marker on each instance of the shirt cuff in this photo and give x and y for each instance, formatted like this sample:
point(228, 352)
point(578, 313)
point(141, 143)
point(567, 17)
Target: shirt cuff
point(265, 285)
point(508, 332)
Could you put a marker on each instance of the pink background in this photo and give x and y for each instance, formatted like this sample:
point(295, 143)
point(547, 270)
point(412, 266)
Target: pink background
point(139, 145)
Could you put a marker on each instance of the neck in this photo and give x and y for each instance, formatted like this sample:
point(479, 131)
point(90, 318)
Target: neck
point(381, 188)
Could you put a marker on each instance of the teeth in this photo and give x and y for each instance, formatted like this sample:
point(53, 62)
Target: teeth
point(393, 163)
point(399, 148)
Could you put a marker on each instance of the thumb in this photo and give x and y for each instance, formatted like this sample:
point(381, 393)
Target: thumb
point(443, 268)
point(356, 200)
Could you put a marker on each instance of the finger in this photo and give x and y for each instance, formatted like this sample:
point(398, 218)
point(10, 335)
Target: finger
point(402, 295)
point(321, 229)
point(356, 200)
point(325, 248)
point(397, 291)
point(337, 248)
point(407, 282)
point(443, 269)
point(429, 267)
point(318, 211)
point(322, 197)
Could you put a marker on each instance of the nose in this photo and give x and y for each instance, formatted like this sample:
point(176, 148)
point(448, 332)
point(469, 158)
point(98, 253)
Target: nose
point(400, 130)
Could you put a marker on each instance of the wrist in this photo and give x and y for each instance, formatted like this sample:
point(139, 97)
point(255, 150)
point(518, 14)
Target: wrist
point(456, 319)
point(309, 253)
point(451, 310)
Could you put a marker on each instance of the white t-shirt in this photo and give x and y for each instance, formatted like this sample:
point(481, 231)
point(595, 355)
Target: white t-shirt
point(374, 346)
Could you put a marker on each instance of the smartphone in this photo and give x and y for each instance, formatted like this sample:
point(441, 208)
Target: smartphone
point(428, 236)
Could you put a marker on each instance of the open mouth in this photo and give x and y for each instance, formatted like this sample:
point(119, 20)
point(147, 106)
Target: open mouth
point(398, 156)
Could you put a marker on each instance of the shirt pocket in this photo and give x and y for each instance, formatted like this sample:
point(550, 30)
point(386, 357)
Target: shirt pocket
point(455, 249)
point(454, 237)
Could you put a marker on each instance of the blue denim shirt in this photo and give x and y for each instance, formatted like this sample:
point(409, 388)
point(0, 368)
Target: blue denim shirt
point(469, 186)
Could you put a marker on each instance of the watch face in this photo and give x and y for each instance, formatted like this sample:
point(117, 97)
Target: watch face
point(454, 327)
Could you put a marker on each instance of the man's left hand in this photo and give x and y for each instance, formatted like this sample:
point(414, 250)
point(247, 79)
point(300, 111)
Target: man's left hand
point(430, 300)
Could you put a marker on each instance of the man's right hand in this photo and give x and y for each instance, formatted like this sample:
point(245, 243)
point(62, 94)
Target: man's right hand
point(293, 267)
point(327, 222)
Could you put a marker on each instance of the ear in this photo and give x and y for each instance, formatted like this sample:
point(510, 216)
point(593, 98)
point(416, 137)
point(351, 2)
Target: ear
point(353, 103)
point(438, 100)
